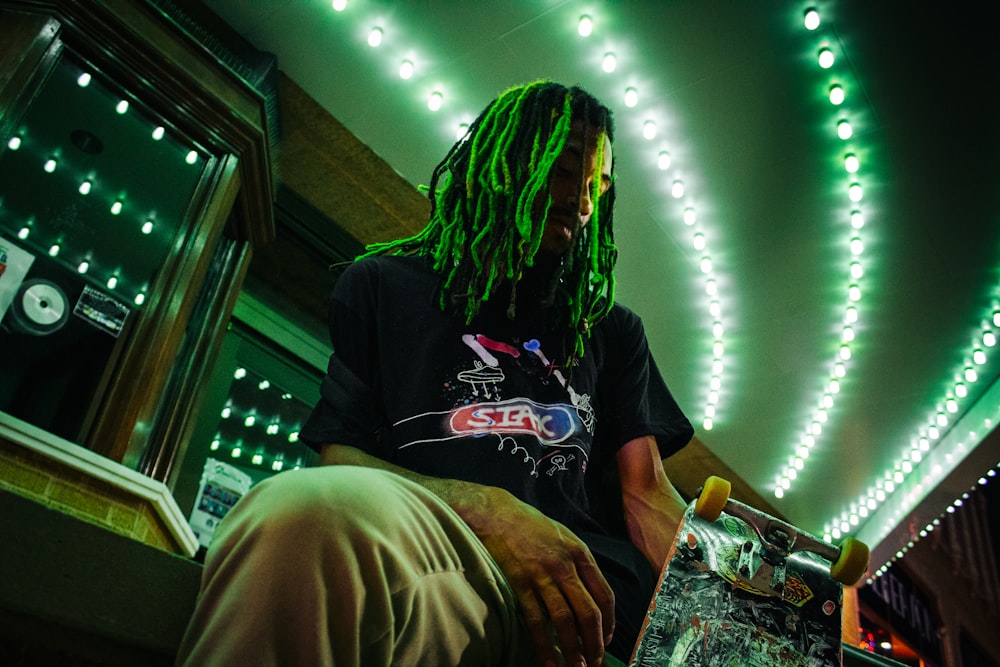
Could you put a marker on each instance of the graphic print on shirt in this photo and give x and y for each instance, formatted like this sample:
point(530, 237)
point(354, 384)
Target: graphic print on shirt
point(562, 428)
point(488, 390)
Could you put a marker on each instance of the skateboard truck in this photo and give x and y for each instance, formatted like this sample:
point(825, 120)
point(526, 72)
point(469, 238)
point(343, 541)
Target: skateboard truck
point(762, 562)
point(761, 569)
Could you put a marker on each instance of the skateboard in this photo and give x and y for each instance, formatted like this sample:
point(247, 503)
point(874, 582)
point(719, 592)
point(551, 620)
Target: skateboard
point(741, 587)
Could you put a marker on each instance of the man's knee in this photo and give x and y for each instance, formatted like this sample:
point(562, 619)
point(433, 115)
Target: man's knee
point(315, 497)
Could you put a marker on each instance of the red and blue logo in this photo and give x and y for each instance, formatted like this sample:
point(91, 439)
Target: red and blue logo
point(551, 424)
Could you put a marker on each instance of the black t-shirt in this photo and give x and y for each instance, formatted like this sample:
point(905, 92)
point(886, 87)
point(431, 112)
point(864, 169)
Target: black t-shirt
point(488, 402)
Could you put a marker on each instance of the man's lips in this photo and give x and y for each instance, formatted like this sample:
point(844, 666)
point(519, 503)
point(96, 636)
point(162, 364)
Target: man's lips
point(569, 223)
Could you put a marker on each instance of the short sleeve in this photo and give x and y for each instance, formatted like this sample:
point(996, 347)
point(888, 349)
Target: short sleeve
point(635, 399)
point(348, 411)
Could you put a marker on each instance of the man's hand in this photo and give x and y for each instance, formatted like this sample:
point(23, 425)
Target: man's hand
point(554, 577)
point(564, 597)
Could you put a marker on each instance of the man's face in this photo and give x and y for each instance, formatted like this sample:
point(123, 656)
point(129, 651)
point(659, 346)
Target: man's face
point(572, 186)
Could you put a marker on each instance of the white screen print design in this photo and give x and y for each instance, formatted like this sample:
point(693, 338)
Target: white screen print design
point(487, 371)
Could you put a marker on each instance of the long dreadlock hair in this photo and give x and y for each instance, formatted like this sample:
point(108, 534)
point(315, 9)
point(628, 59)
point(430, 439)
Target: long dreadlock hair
point(484, 228)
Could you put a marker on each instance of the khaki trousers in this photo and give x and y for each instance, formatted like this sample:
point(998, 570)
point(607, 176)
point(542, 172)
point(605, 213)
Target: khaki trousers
point(341, 565)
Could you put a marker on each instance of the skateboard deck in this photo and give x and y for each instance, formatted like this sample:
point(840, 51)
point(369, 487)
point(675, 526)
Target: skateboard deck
point(742, 588)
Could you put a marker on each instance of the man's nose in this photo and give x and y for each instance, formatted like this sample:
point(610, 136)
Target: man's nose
point(586, 208)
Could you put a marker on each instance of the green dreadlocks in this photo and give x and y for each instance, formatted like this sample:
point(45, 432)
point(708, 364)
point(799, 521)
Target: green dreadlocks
point(483, 229)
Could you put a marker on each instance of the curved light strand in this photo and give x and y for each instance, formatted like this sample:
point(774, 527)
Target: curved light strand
point(698, 236)
point(955, 399)
point(811, 432)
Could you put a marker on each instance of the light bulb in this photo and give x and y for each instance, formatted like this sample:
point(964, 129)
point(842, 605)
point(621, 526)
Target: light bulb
point(609, 63)
point(844, 130)
point(836, 95)
point(811, 19)
point(825, 58)
point(586, 26)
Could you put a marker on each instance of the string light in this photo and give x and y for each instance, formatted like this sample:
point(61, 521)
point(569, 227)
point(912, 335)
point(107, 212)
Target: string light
point(826, 58)
point(836, 95)
point(609, 63)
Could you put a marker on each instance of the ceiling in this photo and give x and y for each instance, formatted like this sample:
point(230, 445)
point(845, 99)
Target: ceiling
point(741, 106)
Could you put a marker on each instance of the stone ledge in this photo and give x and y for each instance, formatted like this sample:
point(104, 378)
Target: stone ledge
point(90, 487)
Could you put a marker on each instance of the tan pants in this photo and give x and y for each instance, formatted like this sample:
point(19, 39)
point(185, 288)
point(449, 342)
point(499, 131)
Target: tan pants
point(343, 565)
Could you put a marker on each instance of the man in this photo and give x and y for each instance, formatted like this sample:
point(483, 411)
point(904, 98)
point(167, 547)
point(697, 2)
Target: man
point(491, 428)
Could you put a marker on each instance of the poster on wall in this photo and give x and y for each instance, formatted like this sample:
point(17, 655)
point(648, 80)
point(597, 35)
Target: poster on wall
point(14, 265)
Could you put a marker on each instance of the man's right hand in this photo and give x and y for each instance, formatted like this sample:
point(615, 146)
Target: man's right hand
point(563, 595)
point(564, 598)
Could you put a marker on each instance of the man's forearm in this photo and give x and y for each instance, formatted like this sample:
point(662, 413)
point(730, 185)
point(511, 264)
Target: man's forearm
point(652, 519)
point(653, 507)
point(468, 499)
